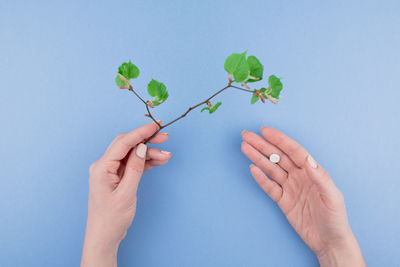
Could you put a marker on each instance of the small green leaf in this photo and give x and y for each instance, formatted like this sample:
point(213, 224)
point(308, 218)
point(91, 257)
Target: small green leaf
point(254, 98)
point(275, 86)
point(256, 68)
point(237, 65)
point(157, 90)
point(215, 107)
point(129, 70)
point(120, 82)
point(212, 109)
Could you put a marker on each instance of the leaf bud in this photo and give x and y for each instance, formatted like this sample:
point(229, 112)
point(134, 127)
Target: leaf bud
point(150, 103)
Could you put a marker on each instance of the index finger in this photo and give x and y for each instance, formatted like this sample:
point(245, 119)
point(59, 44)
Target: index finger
point(294, 150)
point(120, 147)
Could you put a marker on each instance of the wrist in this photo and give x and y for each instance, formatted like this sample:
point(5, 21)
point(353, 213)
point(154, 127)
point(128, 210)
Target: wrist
point(98, 252)
point(347, 253)
point(100, 246)
point(104, 232)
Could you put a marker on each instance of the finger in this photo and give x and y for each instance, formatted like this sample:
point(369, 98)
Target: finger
point(154, 153)
point(133, 171)
point(273, 190)
point(267, 149)
point(120, 147)
point(293, 149)
point(159, 138)
point(274, 171)
point(322, 180)
point(154, 163)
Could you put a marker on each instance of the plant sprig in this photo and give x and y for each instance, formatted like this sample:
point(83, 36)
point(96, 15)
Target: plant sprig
point(241, 69)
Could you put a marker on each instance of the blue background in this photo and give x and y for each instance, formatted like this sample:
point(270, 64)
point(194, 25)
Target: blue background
point(60, 108)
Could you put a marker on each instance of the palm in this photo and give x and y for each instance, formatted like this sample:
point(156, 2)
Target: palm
point(307, 196)
point(303, 206)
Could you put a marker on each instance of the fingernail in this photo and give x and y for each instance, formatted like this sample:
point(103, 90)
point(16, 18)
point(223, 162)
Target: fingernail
point(165, 152)
point(159, 121)
point(165, 133)
point(312, 162)
point(244, 131)
point(141, 150)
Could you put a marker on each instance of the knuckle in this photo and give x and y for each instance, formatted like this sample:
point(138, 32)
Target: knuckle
point(324, 173)
point(293, 149)
point(97, 169)
point(92, 167)
point(135, 168)
point(243, 147)
point(119, 136)
point(125, 144)
point(261, 159)
point(125, 200)
point(339, 196)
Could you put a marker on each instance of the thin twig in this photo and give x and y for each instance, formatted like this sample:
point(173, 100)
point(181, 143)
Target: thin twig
point(151, 116)
point(133, 91)
point(243, 89)
point(201, 103)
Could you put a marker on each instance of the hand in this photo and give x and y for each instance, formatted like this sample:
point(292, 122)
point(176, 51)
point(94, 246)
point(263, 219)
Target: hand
point(113, 184)
point(305, 193)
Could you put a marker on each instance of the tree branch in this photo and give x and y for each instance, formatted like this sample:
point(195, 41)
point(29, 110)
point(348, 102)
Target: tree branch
point(201, 103)
point(187, 111)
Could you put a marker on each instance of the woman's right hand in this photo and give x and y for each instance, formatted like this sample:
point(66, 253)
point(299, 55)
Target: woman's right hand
point(306, 194)
point(113, 184)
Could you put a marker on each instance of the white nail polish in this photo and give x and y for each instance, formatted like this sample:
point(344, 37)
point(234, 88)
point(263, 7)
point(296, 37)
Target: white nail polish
point(141, 150)
point(312, 162)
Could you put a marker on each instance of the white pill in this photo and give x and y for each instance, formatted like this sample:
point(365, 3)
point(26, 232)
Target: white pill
point(274, 158)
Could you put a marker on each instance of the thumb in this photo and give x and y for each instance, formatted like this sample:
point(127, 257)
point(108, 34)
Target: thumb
point(321, 179)
point(133, 170)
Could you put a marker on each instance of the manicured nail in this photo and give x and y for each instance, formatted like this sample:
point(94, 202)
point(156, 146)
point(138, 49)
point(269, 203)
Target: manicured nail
point(165, 133)
point(141, 150)
point(312, 162)
point(165, 152)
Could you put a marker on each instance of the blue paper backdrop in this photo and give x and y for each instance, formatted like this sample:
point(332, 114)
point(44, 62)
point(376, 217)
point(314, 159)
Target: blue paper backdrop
point(60, 108)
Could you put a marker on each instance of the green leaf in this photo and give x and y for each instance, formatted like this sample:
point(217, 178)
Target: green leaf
point(232, 62)
point(256, 69)
point(236, 64)
point(129, 70)
point(157, 90)
point(213, 108)
point(120, 82)
point(275, 86)
point(254, 98)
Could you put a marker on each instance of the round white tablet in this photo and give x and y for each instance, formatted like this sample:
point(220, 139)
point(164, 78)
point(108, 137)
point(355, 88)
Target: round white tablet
point(274, 158)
